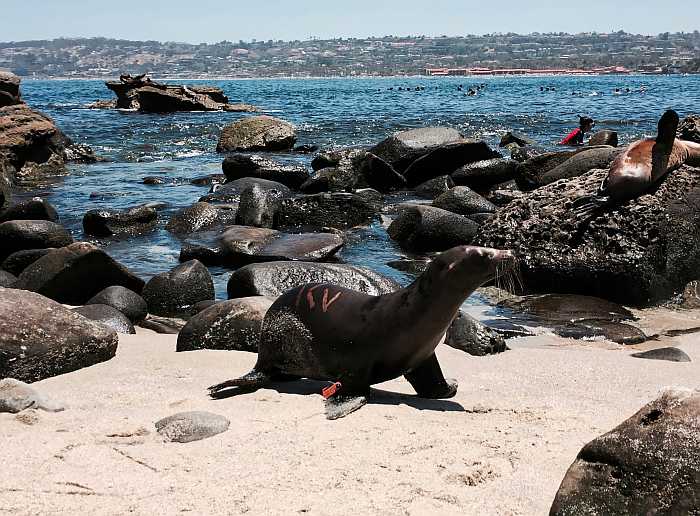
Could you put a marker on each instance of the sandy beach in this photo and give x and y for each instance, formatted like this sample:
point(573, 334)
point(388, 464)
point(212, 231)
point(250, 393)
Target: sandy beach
point(501, 446)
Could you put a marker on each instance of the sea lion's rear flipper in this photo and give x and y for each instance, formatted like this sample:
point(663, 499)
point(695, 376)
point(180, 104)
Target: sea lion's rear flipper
point(248, 382)
point(341, 405)
point(661, 152)
point(428, 381)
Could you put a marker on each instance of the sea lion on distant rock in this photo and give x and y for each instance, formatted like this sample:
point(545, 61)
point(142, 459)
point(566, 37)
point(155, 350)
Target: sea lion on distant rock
point(325, 332)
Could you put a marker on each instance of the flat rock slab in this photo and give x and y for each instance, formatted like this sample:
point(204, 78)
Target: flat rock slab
point(186, 427)
point(16, 396)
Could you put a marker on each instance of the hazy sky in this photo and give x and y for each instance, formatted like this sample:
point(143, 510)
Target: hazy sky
point(215, 20)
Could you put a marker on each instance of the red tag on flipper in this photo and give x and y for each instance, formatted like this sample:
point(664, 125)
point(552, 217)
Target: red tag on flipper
point(331, 390)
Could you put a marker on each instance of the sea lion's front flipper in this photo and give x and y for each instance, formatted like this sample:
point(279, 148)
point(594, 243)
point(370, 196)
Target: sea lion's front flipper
point(248, 382)
point(665, 136)
point(340, 405)
point(428, 381)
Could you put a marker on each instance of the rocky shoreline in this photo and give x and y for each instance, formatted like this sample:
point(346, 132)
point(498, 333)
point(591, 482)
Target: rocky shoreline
point(277, 225)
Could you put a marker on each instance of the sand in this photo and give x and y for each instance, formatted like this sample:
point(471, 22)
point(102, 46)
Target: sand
point(501, 446)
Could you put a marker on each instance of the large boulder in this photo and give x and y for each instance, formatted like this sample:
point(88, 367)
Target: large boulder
point(259, 207)
point(230, 325)
point(175, 292)
point(128, 302)
point(529, 171)
point(75, 273)
point(403, 148)
point(435, 187)
point(20, 260)
point(341, 210)
point(199, 216)
point(9, 89)
point(108, 316)
point(238, 166)
point(33, 209)
point(17, 235)
point(131, 221)
point(482, 175)
point(638, 253)
point(40, 338)
point(463, 201)
point(649, 464)
point(379, 174)
point(257, 133)
point(426, 228)
point(231, 192)
point(272, 279)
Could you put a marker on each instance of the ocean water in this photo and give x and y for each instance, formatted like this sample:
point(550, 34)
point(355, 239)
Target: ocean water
point(328, 113)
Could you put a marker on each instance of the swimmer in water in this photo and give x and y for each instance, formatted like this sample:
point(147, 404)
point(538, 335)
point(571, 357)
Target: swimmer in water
point(575, 137)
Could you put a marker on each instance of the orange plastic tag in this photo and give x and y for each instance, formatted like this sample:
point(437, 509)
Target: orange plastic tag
point(331, 390)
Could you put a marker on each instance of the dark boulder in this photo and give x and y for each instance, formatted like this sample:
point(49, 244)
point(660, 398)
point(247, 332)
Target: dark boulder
point(333, 158)
point(516, 138)
point(272, 279)
point(649, 464)
point(174, 292)
point(567, 308)
point(211, 179)
point(18, 235)
point(463, 201)
point(432, 188)
point(521, 154)
point(689, 129)
point(20, 260)
point(163, 325)
point(9, 89)
point(469, 335)
point(108, 316)
point(529, 171)
point(379, 174)
point(332, 179)
point(425, 228)
point(231, 192)
point(6, 179)
point(131, 221)
point(154, 180)
point(230, 325)
point(199, 216)
point(482, 175)
point(33, 209)
point(403, 148)
point(604, 137)
point(238, 166)
point(128, 302)
point(259, 207)
point(650, 245)
point(40, 338)
point(81, 153)
point(75, 273)
point(258, 133)
point(7, 279)
point(336, 210)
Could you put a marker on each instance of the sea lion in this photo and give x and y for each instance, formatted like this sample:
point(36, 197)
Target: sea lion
point(642, 165)
point(325, 332)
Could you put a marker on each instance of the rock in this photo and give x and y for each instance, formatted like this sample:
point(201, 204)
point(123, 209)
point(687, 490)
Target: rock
point(332, 179)
point(203, 305)
point(482, 175)
point(305, 148)
point(128, 302)
point(211, 179)
point(516, 138)
point(131, 221)
point(163, 325)
point(18, 235)
point(9, 89)
point(604, 137)
point(650, 245)
point(16, 396)
point(243, 244)
point(7, 279)
point(649, 464)
point(578, 164)
point(689, 300)
point(238, 166)
point(333, 158)
point(529, 171)
point(689, 129)
point(446, 159)
point(6, 177)
point(231, 192)
point(108, 316)
point(186, 427)
point(272, 279)
point(33, 209)
point(432, 188)
point(153, 180)
point(231, 325)
point(80, 153)
point(521, 154)
point(403, 148)
point(20, 260)
point(259, 207)
point(425, 228)
point(174, 292)
point(379, 174)
point(463, 201)
point(620, 333)
point(670, 354)
point(102, 104)
point(567, 308)
point(336, 210)
point(75, 273)
point(40, 338)
point(413, 267)
point(258, 133)
point(469, 335)
point(199, 216)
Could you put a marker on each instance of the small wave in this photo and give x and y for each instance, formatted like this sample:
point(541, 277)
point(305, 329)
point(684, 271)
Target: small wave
point(189, 154)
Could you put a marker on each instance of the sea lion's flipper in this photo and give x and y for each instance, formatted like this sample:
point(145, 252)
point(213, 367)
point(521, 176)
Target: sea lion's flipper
point(251, 381)
point(661, 152)
point(428, 381)
point(585, 206)
point(340, 405)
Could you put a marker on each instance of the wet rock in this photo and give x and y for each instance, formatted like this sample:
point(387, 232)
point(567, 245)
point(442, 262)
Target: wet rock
point(516, 138)
point(163, 325)
point(403, 148)
point(565, 308)
point(434, 187)
point(529, 171)
point(174, 292)
point(604, 137)
point(231, 192)
point(16, 396)
point(272, 279)
point(482, 175)
point(199, 216)
point(40, 338)
point(504, 194)
point(650, 244)
point(18, 235)
point(305, 148)
point(20, 260)
point(132, 221)
point(336, 210)
point(6, 178)
point(230, 325)
point(186, 427)
point(108, 316)
point(7, 279)
point(9, 89)
point(211, 179)
point(469, 335)
point(446, 159)
point(379, 174)
point(239, 166)
point(689, 129)
point(463, 201)
point(620, 333)
point(259, 207)
point(579, 163)
point(333, 179)
point(258, 133)
point(128, 302)
point(649, 464)
point(33, 209)
point(75, 273)
point(425, 228)
point(669, 354)
point(521, 154)
point(80, 153)
point(153, 180)
point(333, 158)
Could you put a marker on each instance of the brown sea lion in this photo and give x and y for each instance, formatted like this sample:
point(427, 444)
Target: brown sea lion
point(325, 332)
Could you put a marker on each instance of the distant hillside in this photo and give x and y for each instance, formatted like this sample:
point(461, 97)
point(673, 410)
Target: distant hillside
point(102, 57)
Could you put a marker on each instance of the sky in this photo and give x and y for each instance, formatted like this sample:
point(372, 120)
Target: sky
point(198, 21)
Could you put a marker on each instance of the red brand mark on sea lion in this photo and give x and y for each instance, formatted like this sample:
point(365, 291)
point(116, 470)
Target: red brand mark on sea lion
point(310, 297)
point(326, 303)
